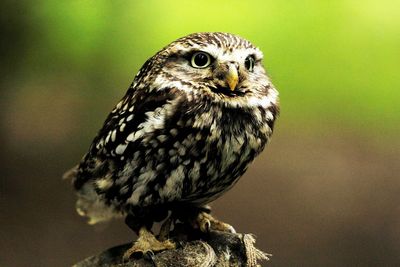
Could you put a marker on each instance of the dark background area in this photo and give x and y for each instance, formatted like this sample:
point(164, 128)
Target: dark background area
point(324, 193)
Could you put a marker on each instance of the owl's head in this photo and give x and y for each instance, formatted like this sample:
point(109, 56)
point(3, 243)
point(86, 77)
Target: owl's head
point(221, 66)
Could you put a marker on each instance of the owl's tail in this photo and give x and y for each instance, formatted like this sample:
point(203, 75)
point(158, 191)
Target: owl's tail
point(71, 173)
point(92, 206)
point(89, 204)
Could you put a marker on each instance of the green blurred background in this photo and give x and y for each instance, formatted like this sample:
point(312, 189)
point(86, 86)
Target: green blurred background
point(326, 191)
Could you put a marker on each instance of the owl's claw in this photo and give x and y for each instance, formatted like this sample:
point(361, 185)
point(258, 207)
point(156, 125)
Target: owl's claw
point(205, 222)
point(146, 245)
point(150, 256)
point(206, 227)
point(179, 244)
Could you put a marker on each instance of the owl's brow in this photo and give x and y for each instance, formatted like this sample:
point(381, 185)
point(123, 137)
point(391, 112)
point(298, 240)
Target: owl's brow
point(186, 54)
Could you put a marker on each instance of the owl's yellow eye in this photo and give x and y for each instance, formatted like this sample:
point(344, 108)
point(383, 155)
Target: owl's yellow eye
point(249, 63)
point(200, 60)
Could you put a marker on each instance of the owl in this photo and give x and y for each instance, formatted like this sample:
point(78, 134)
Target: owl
point(196, 114)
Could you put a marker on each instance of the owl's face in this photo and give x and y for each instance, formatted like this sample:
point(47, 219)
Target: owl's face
point(220, 66)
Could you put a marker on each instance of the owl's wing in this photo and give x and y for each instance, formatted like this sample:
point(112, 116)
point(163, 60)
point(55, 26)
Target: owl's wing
point(130, 118)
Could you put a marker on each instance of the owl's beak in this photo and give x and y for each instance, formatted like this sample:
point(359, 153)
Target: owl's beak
point(232, 77)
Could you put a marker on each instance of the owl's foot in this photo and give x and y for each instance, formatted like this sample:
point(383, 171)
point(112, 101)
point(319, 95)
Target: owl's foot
point(205, 222)
point(147, 244)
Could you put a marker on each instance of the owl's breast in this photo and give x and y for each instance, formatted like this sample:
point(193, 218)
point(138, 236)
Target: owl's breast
point(234, 138)
point(199, 153)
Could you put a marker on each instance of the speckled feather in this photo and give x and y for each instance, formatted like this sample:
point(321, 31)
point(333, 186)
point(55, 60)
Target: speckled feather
point(177, 137)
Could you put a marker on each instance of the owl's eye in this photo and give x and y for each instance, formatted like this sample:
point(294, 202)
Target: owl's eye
point(249, 63)
point(200, 60)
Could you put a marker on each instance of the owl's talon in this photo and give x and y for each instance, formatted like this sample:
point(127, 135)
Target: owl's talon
point(146, 245)
point(179, 244)
point(150, 256)
point(206, 223)
point(206, 226)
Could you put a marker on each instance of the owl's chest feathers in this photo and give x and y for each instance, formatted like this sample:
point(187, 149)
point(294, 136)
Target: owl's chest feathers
point(234, 137)
point(187, 153)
